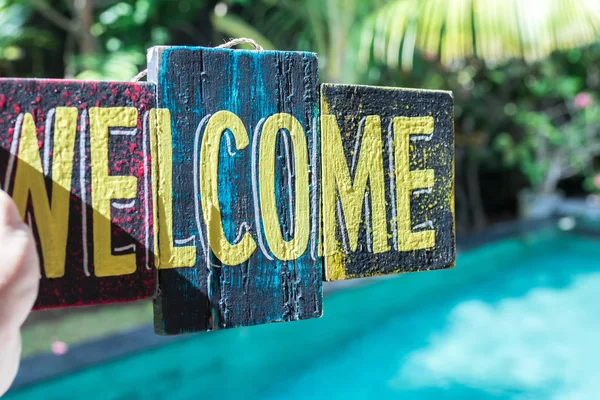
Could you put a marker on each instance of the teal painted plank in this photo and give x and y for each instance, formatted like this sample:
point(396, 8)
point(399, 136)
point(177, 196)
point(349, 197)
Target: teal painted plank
point(227, 101)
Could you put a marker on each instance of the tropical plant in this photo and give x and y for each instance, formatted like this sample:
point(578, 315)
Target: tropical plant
point(546, 136)
point(16, 35)
point(559, 114)
point(358, 41)
point(492, 30)
point(94, 39)
point(328, 27)
point(367, 42)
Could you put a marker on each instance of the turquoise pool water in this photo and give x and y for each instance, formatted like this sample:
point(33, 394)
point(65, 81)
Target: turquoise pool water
point(518, 318)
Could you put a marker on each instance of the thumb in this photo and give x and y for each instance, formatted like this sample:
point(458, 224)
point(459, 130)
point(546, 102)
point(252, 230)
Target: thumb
point(19, 281)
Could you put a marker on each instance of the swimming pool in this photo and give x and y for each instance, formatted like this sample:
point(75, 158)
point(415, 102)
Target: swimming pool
point(517, 318)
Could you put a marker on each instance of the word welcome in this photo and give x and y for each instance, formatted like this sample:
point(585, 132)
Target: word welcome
point(52, 213)
point(228, 187)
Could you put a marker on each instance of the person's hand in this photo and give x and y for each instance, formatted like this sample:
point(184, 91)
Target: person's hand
point(19, 281)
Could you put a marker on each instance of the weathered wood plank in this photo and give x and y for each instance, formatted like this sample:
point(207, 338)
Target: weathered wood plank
point(387, 180)
point(239, 211)
point(75, 158)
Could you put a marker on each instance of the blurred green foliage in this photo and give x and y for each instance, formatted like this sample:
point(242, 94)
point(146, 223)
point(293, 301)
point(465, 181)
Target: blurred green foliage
point(557, 120)
point(492, 30)
point(94, 39)
point(518, 123)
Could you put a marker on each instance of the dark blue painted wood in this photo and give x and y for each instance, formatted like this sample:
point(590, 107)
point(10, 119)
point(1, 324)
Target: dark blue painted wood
point(194, 83)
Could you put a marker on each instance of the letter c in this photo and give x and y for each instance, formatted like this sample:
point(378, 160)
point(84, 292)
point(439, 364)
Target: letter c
point(226, 252)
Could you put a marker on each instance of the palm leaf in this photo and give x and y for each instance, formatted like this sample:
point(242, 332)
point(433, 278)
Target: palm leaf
point(493, 30)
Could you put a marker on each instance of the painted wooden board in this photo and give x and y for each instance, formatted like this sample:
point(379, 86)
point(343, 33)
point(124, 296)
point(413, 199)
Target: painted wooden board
point(239, 210)
point(75, 158)
point(387, 180)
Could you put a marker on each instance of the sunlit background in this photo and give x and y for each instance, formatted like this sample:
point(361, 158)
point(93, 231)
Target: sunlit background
point(519, 315)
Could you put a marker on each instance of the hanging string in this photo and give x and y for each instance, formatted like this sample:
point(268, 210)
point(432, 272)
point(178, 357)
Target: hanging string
point(235, 42)
point(139, 76)
point(231, 43)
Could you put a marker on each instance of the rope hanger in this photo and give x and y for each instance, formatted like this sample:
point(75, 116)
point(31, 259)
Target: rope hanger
point(228, 45)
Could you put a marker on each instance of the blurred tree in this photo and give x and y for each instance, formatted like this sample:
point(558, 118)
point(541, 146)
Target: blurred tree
point(493, 96)
point(492, 30)
point(362, 41)
point(98, 39)
point(17, 37)
point(560, 118)
point(328, 27)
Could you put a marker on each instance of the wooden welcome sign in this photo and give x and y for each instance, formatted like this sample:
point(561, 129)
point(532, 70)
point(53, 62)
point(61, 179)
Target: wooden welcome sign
point(228, 187)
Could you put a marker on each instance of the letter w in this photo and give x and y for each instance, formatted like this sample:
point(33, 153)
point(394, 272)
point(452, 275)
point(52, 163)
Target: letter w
point(51, 219)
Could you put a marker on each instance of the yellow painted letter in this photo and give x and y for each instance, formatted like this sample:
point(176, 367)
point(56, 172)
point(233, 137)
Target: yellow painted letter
point(52, 220)
point(336, 178)
point(106, 187)
point(161, 146)
point(407, 181)
point(227, 253)
point(292, 249)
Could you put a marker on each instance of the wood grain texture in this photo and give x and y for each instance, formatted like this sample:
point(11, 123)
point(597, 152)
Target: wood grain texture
point(387, 180)
point(239, 185)
point(75, 158)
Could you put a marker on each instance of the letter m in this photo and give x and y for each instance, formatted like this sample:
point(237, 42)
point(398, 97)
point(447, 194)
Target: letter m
point(337, 183)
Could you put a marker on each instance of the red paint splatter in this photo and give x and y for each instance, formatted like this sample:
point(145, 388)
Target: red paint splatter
point(75, 288)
